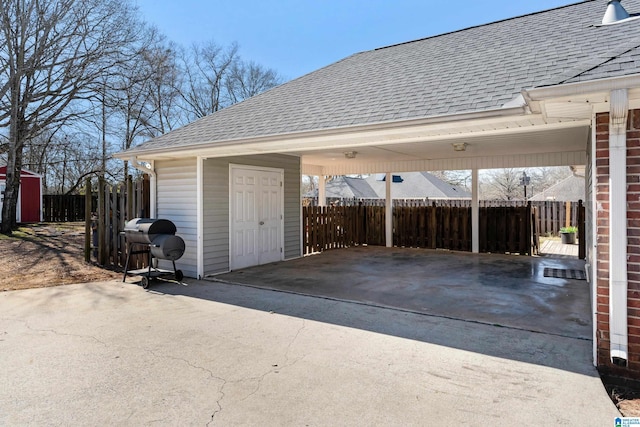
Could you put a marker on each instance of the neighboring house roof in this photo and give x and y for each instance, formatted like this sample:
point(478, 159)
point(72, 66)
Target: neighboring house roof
point(345, 187)
point(571, 189)
point(412, 185)
point(476, 69)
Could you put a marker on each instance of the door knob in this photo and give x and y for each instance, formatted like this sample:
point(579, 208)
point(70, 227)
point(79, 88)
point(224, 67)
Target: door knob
point(261, 222)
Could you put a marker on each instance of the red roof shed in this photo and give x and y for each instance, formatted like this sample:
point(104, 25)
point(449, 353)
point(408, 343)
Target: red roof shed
point(30, 197)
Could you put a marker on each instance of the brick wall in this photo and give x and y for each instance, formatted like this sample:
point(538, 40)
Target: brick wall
point(633, 248)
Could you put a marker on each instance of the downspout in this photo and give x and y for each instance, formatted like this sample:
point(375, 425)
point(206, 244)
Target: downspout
point(153, 182)
point(592, 265)
point(618, 227)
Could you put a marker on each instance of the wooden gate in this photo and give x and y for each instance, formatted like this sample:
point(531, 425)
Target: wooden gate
point(116, 205)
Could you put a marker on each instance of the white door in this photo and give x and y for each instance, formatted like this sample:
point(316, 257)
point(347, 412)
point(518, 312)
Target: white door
point(256, 217)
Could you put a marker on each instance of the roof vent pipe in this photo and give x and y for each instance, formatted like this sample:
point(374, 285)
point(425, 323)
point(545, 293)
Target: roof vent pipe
point(615, 12)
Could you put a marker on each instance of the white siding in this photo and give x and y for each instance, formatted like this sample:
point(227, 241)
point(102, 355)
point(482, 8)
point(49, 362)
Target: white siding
point(177, 200)
point(216, 206)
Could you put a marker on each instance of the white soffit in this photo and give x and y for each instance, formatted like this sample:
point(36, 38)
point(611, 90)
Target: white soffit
point(396, 139)
point(551, 145)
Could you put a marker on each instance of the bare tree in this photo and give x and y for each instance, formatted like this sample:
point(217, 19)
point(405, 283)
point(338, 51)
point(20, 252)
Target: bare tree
point(458, 178)
point(502, 184)
point(51, 52)
point(163, 86)
point(206, 67)
point(248, 79)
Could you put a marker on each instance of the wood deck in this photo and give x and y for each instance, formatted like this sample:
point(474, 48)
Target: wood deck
point(554, 248)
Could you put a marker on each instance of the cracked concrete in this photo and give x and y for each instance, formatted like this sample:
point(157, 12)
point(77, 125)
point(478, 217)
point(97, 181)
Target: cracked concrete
point(217, 354)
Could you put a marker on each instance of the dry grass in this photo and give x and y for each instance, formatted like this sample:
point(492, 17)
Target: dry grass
point(41, 255)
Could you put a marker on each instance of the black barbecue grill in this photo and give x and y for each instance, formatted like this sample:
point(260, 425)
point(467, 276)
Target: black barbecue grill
point(158, 240)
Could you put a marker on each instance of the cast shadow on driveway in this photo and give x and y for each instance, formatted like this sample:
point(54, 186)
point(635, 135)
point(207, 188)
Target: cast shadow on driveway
point(567, 353)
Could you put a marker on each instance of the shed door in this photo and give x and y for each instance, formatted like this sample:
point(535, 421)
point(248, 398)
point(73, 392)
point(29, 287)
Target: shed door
point(3, 186)
point(256, 217)
point(30, 200)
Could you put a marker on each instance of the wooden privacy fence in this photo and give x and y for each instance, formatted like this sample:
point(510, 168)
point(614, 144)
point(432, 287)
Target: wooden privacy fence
point(552, 215)
point(502, 229)
point(435, 227)
point(332, 227)
point(116, 204)
point(65, 208)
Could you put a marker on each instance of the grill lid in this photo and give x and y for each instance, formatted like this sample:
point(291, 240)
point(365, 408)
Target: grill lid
point(143, 230)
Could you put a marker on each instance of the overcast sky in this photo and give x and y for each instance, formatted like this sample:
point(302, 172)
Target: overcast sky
point(295, 37)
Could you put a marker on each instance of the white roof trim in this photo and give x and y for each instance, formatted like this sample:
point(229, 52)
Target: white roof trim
point(324, 134)
point(582, 88)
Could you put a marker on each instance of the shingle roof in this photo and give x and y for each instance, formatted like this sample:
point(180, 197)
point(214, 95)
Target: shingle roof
point(349, 188)
point(414, 185)
point(417, 185)
point(474, 69)
point(570, 189)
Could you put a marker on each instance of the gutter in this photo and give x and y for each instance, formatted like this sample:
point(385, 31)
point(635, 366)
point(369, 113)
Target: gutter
point(581, 88)
point(153, 181)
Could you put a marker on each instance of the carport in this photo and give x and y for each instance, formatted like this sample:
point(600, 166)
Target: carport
point(503, 290)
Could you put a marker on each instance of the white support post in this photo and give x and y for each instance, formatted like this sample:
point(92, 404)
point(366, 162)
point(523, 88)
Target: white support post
point(388, 211)
point(322, 190)
point(618, 225)
point(200, 216)
point(475, 212)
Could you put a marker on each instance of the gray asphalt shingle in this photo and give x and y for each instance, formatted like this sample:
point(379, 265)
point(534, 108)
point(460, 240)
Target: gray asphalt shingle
point(475, 69)
point(413, 185)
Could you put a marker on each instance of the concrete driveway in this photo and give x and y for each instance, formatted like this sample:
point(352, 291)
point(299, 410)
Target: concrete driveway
point(503, 290)
point(218, 354)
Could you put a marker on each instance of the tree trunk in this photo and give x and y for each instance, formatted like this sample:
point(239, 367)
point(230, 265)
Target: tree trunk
point(12, 189)
point(14, 162)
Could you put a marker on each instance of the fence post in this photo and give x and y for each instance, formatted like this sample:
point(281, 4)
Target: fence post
point(87, 220)
point(101, 221)
point(528, 225)
point(129, 197)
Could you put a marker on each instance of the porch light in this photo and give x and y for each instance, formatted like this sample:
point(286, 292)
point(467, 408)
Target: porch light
point(350, 154)
point(460, 146)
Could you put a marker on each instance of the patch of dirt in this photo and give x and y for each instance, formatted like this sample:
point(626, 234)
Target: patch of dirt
point(624, 393)
point(48, 254)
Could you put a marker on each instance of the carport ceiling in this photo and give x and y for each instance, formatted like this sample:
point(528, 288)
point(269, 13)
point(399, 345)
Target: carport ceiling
point(488, 144)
